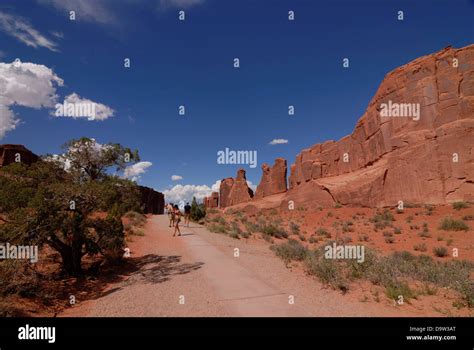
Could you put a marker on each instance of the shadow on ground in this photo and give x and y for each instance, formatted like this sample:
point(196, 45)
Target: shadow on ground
point(150, 268)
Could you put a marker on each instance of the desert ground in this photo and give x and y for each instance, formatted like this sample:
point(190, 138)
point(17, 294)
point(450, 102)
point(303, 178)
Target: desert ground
point(199, 274)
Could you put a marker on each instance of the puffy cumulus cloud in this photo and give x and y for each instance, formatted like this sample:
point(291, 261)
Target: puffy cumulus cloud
point(134, 171)
point(99, 11)
point(278, 142)
point(176, 177)
point(186, 193)
point(22, 30)
point(74, 106)
point(25, 84)
point(34, 85)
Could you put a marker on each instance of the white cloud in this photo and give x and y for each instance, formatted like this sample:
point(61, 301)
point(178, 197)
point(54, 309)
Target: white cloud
point(8, 122)
point(180, 3)
point(22, 30)
point(278, 142)
point(86, 10)
point(134, 171)
point(216, 186)
point(101, 111)
point(187, 192)
point(176, 177)
point(25, 84)
point(33, 85)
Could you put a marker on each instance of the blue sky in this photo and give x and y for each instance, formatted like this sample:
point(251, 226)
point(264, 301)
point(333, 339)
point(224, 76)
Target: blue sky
point(190, 63)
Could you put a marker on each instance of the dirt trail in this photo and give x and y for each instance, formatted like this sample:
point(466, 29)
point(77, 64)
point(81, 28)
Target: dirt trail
point(198, 274)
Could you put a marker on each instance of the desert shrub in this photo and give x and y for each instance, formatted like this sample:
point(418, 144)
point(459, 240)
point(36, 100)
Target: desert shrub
point(323, 232)
point(440, 252)
point(328, 271)
point(389, 240)
point(274, 231)
point(460, 205)
point(385, 217)
point(421, 247)
point(337, 205)
point(245, 234)
point(198, 211)
point(217, 228)
point(468, 217)
point(135, 219)
point(252, 227)
point(291, 250)
point(212, 211)
point(396, 289)
point(397, 230)
point(294, 228)
point(450, 224)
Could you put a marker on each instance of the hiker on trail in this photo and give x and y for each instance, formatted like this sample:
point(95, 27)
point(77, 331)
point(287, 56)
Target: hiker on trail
point(170, 211)
point(177, 219)
point(187, 214)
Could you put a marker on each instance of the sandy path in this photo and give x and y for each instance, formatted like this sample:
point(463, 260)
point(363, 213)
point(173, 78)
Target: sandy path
point(198, 274)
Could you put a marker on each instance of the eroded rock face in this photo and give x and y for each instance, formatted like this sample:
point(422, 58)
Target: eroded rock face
point(235, 191)
point(16, 153)
point(212, 201)
point(391, 158)
point(224, 192)
point(273, 179)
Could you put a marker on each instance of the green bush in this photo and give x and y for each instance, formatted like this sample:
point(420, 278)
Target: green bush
point(291, 250)
point(198, 211)
point(450, 224)
point(440, 252)
point(274, 231)
point(460, 205)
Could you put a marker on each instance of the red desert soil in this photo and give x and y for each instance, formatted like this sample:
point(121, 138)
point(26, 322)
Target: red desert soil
point(197, 274)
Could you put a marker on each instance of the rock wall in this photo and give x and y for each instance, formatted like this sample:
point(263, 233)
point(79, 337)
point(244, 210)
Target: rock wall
point(153, 202)
point(273, 179)
point(391, 158)
point(212, 201)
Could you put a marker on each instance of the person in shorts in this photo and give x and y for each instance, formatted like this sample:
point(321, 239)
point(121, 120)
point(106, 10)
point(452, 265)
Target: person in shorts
point(187, 214)
point(177, 220)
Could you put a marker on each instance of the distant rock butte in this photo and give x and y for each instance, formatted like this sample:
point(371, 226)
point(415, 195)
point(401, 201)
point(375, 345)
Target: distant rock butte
point(235, 191)
point(273, 179)
point(388, 159)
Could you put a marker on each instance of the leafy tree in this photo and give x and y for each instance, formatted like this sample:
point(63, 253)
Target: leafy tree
point(92, 159)
point(44, 204)
point(198, 211)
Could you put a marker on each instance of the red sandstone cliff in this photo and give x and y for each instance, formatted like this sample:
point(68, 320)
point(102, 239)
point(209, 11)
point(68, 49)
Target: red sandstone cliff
point(273, 179)
point(389, 159)
point(234, 191)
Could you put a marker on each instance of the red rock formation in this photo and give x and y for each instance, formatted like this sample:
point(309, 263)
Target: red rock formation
point(388, 159)
point(234, 191)
point(11, 153)
point(273, 179)
point(224, 192)
point(212, 201)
